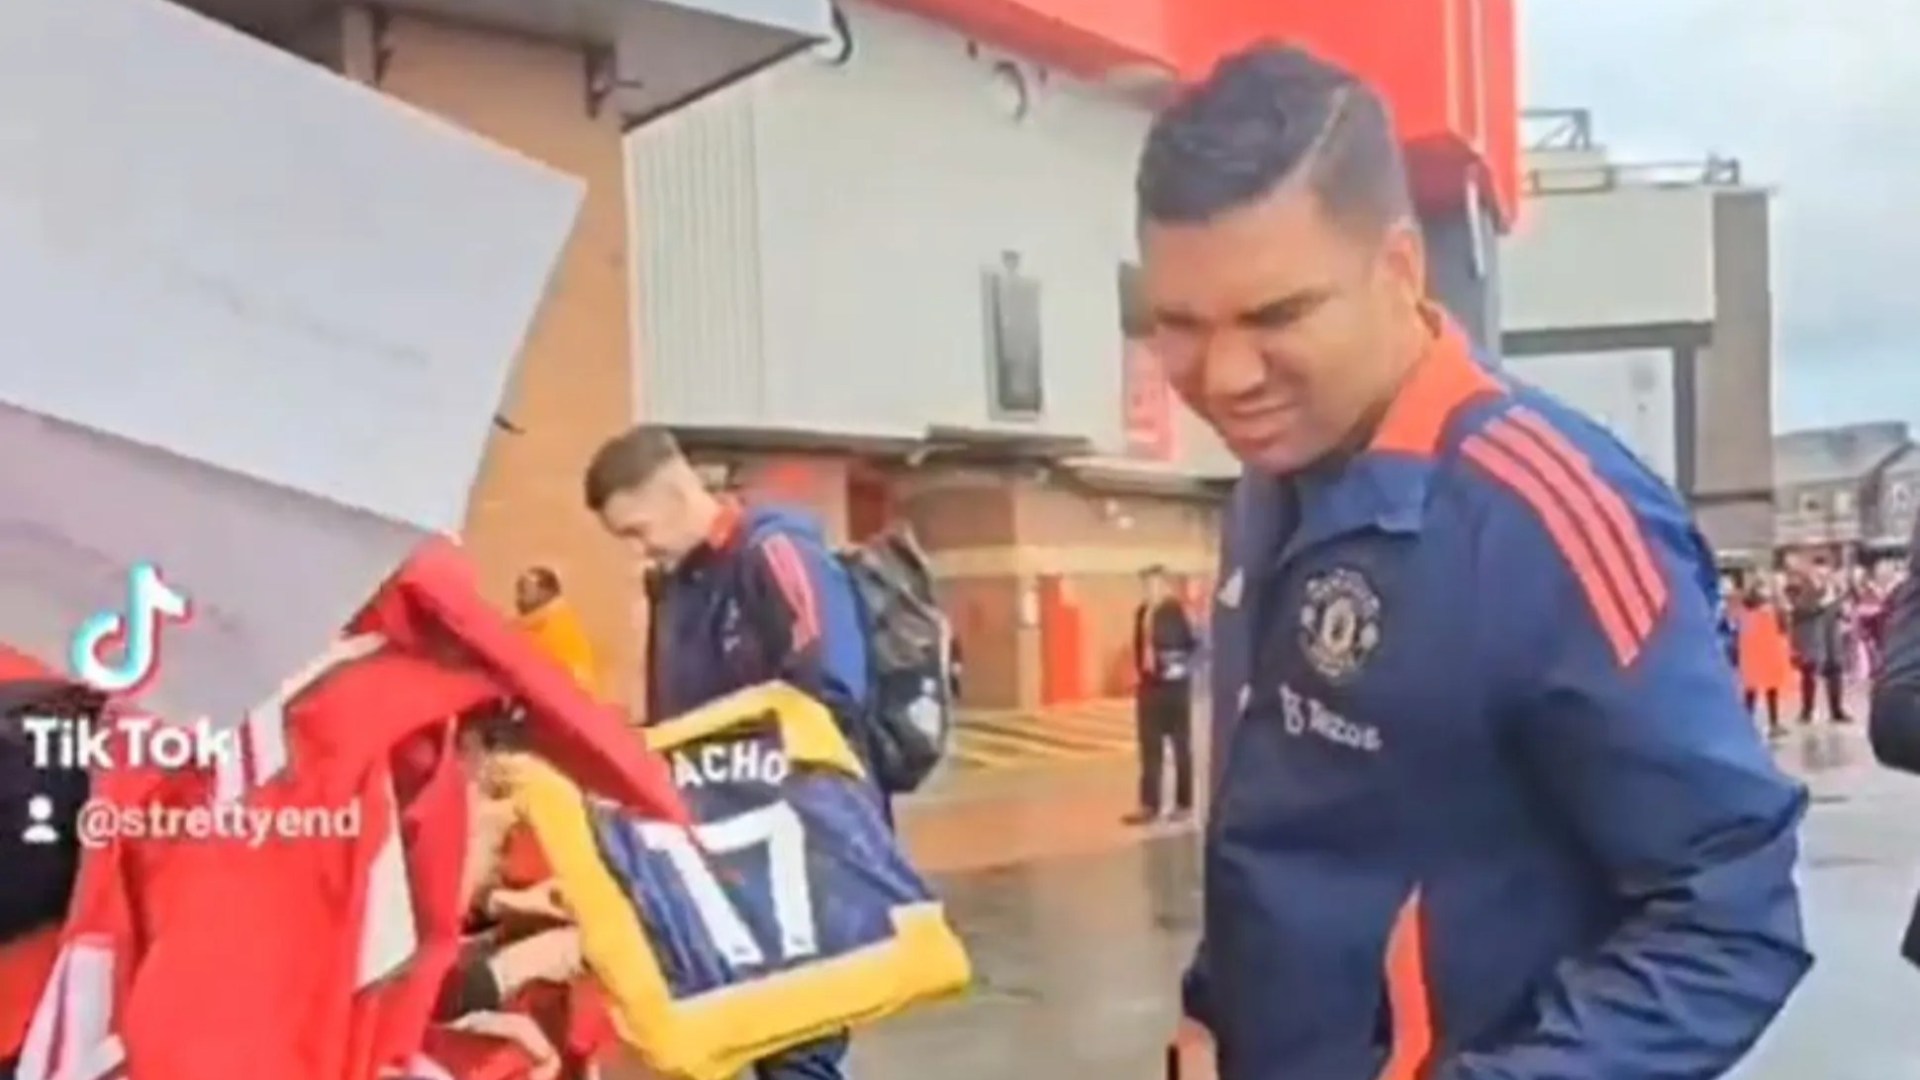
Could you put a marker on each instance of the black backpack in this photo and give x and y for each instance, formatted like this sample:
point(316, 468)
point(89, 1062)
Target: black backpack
point(910, 657)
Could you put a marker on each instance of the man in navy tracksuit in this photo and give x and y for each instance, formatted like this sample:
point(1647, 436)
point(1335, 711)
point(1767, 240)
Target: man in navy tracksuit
point(1893, 723)
point(1486, 804)
point(742, 597)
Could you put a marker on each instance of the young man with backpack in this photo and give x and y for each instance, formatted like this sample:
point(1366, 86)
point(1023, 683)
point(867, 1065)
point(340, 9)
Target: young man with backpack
point(742, 596)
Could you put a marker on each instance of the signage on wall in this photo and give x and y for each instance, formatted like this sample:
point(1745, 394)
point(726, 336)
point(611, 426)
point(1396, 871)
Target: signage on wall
point(1016, 380)
point(1149, 418)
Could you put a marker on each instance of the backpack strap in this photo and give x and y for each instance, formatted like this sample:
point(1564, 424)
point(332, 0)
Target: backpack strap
point(655, 585)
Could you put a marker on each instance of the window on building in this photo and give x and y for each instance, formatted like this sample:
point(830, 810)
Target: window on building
point(1810, 502)
point(1897, 512)
point(1843, 502)
point(1015, 373)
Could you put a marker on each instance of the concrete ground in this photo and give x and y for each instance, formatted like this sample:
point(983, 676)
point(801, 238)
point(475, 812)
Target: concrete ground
point(1079, 927)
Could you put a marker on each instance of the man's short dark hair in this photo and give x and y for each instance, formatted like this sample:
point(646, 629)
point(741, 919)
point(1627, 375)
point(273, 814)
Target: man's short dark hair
point(545, 577)
point(1267, 115)
point(499, 726)
point(627, 461)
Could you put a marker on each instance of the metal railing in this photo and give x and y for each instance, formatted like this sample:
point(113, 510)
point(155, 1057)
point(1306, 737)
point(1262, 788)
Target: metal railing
point(1572, 179)
point(1556, 129)
point(1570, 131)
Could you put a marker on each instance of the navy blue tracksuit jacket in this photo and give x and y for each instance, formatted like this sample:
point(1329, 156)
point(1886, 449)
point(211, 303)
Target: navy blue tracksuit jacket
point(1486, 805)
point(1895, 719)
point(763, 599)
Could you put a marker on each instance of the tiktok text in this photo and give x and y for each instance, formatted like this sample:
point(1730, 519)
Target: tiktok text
point(128, 741)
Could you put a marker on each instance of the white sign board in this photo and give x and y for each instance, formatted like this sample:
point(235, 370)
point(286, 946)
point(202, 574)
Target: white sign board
point(257, 322)
point(1630, 392)
point(1625, 256)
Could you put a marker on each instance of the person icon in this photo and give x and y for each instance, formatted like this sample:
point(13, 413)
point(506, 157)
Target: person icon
point(40, 828)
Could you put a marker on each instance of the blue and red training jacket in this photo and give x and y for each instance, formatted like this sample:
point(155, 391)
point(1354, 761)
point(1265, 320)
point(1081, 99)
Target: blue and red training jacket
point(762, 598)
point(1486, 803)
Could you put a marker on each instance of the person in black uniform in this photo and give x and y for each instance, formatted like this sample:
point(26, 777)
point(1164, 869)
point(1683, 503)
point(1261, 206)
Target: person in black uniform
point(1163, 655)
point(1893, 717)
point(1893, 720)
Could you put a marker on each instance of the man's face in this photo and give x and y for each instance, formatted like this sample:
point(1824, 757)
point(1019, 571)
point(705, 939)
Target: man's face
point(652, 521)
point(1277, 324)
point(1156, 587)
point(478, 766)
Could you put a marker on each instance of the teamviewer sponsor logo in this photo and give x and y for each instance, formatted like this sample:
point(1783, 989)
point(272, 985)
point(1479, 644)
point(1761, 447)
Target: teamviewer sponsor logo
point(1308, 717)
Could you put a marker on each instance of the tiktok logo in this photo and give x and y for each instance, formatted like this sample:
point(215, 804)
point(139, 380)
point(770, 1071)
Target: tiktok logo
point(136, 635)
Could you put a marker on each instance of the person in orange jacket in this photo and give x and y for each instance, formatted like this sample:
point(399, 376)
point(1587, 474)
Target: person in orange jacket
point(1765, 653)
point(542, 611)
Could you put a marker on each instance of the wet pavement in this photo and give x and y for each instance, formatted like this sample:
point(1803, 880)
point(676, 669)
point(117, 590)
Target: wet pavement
point(1079, 929)
point(1857, 1017)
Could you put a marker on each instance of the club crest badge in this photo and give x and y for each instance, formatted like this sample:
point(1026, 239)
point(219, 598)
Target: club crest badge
point(1339, 623)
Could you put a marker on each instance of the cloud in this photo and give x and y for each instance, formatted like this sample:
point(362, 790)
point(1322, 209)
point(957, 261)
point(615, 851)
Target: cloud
point(1818, 102)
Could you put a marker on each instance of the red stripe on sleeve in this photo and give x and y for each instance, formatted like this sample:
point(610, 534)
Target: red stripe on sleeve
point(1623, 528)
point(796, 587)
point(1574, 543)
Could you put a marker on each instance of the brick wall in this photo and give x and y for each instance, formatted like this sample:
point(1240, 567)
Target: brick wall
point(574, 387)
point(995, 536)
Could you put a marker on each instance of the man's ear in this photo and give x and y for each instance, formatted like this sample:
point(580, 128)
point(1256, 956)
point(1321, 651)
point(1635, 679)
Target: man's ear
point(678, 481)
point(663, 492)
point(1403, 255)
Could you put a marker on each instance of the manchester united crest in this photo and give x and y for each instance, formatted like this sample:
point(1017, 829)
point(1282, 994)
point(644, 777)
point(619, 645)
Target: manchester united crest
point(1339, 623)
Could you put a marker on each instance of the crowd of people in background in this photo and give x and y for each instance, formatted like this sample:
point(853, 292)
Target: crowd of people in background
point(1806, 635)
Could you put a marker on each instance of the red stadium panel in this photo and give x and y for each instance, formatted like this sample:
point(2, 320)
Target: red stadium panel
point(1089, 38)
point(1446, 66)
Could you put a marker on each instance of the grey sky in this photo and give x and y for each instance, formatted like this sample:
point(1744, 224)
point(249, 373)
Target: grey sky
point(1820, 101)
